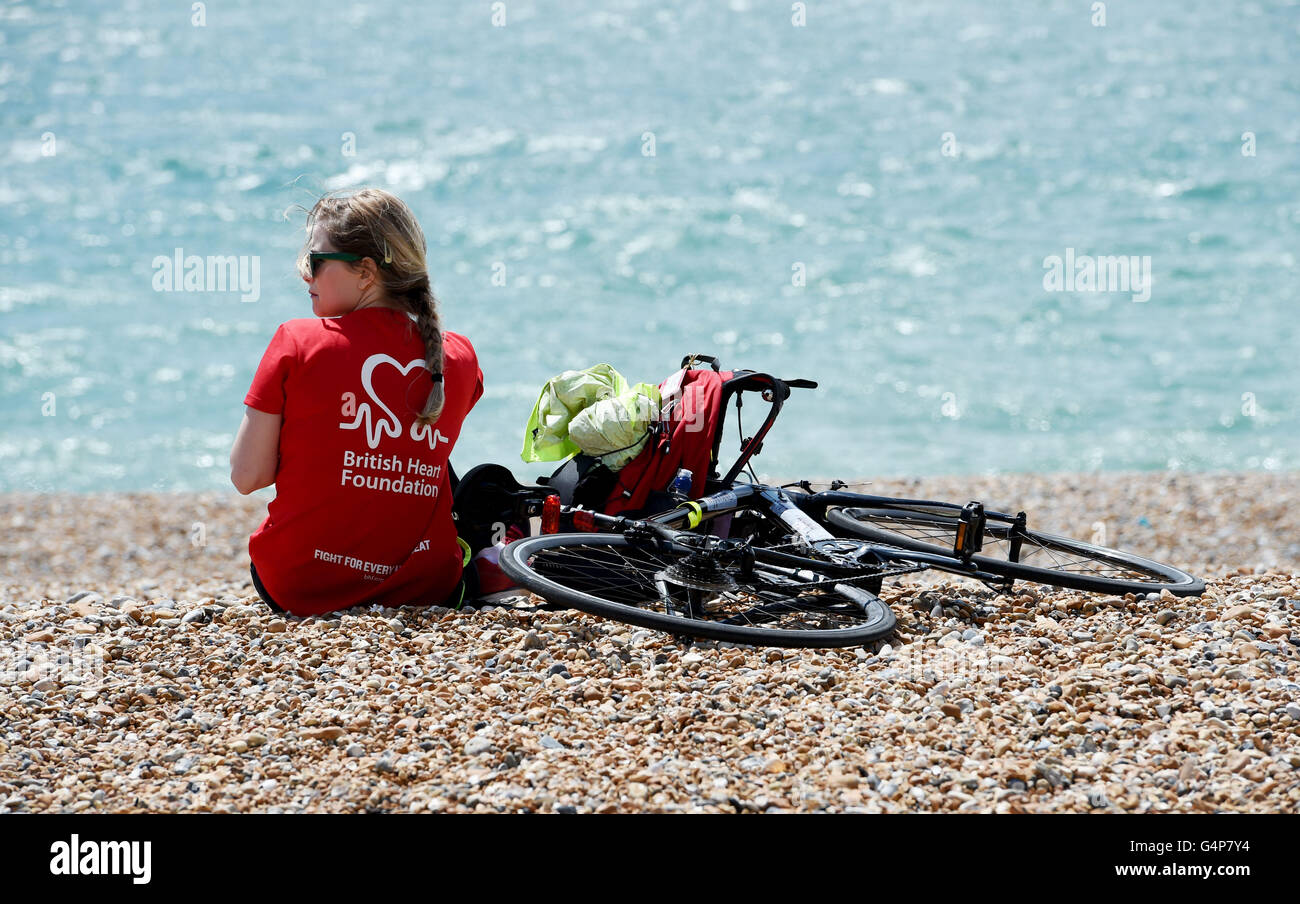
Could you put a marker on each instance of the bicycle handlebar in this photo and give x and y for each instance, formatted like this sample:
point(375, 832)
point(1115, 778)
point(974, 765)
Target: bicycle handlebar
point(801, 384)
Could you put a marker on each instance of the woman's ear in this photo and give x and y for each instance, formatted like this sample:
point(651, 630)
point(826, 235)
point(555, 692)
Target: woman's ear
point(369, 272)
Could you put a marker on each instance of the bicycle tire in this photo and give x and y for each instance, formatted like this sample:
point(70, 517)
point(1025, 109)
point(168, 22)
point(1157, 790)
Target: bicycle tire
point(1076, 565)
point(609, 576)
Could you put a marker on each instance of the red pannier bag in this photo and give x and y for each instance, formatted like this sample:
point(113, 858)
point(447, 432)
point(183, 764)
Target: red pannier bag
point(683, 438)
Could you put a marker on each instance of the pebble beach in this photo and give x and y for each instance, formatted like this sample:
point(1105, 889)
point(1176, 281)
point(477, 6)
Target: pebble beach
point(142, 673)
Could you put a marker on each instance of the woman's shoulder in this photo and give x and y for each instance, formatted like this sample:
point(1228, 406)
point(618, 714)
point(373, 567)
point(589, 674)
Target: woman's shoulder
point(326, 331)
point(458, 345)
point(304, 326)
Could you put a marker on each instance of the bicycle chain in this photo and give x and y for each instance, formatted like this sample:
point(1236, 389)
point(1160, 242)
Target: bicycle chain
point(824, 582)
point(883, 573)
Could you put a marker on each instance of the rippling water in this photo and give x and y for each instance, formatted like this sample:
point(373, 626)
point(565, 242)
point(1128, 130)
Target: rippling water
point(915, 162)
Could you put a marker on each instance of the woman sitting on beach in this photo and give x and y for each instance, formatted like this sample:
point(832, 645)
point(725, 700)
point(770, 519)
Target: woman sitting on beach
point(352, 415)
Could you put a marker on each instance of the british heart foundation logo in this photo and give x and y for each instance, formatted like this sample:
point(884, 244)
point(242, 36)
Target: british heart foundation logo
point(376, 417)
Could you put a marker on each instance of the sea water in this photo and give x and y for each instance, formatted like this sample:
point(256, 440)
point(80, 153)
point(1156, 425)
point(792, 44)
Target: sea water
point(881, 197)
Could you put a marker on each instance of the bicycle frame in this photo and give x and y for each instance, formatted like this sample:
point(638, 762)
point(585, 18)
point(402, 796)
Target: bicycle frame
point(778, 505)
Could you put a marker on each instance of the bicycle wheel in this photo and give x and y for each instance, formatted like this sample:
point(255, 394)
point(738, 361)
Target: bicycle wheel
point(669, 589)
point(1042, 558)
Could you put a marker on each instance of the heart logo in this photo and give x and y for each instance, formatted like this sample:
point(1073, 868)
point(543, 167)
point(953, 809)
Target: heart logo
point(378, 425)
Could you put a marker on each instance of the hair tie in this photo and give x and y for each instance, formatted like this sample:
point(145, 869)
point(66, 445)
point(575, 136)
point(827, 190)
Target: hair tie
point(437, 378)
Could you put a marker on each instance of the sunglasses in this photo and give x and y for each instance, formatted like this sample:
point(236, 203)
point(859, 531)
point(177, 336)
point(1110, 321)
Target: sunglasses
point(315, 257)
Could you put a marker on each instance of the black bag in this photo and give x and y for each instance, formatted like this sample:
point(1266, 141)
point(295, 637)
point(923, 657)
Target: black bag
point(486, 501)
point(582, 480)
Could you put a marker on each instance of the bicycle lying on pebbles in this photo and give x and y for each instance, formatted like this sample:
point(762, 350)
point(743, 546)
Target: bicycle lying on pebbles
point(788, 566)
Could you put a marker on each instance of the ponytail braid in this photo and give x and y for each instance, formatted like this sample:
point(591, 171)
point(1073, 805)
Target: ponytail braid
point(424, 306)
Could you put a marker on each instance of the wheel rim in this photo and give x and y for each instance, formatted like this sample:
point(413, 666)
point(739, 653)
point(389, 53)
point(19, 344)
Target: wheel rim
point(649, 587)
point(1043, 553)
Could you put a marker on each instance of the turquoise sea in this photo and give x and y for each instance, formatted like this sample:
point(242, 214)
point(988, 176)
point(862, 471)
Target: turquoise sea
point(866, 197)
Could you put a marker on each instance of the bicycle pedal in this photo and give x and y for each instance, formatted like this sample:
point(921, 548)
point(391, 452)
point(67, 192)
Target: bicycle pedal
point(969, 538)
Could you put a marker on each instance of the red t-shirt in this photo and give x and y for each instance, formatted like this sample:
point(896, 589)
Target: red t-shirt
point(362, 508)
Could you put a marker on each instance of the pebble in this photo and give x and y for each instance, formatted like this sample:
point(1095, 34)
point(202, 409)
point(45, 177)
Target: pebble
point(327, 733)
point(477, 745)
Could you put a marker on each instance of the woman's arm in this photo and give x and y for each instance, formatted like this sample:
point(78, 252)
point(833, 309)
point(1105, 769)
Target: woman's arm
point(256, 453)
